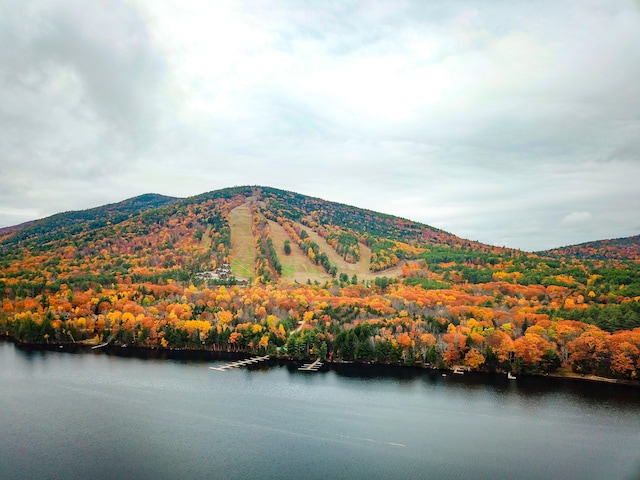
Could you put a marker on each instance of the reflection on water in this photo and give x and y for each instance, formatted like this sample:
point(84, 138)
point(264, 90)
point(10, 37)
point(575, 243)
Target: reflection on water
point(102, 416)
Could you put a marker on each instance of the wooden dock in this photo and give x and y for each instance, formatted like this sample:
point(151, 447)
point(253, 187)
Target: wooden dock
point(311, 367)
point(240, 363)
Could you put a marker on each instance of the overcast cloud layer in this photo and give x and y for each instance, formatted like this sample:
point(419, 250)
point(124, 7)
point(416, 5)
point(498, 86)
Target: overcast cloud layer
point(513, 123)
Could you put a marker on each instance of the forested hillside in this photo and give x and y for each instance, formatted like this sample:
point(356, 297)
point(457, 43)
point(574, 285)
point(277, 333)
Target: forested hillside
point(261, 270)
point(615, 249)
point(63, 225)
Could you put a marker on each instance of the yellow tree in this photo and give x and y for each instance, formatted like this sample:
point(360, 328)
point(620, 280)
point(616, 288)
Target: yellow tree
point(224, 317)
point(474, 359)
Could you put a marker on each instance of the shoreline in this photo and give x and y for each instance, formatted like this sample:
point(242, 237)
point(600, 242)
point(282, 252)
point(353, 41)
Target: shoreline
point(593, 378)
point(146, 352)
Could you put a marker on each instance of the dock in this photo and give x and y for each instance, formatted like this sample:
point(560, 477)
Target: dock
point(311, 367)
point(240, 363)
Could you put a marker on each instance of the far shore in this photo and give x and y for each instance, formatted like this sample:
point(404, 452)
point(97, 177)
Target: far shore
point(592, 378)
point(210, 354)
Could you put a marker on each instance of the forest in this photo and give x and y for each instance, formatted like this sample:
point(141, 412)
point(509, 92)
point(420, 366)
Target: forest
point(132, 275)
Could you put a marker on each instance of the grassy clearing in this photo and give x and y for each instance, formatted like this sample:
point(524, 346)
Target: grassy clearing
point(243, 254)
point(205, 242)
point(297, 266)
point(361, 269)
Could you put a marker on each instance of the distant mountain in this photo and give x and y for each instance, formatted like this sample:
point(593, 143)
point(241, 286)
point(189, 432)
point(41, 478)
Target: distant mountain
point(5, 231)
point(627, 248)
point(66, 224)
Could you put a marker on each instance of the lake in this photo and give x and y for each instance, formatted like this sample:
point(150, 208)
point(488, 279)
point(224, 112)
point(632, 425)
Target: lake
point(94, 415)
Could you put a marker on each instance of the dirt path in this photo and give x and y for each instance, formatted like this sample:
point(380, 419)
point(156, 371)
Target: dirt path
point(243, 254)
point(365, 258)
point(205, 243)
point(297, 266)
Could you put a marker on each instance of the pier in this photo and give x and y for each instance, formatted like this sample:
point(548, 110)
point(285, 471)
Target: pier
point(240, 363)
point(311, 367)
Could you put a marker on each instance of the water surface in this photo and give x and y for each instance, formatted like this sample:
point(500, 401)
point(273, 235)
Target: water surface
point(98, 416)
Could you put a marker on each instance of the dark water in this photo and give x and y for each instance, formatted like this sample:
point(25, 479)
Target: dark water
point(97, 416)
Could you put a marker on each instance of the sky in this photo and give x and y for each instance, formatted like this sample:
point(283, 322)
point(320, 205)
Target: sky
point(514, 123)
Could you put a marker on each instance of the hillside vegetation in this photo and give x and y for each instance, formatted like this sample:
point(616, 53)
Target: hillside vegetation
point(62, 225)
point(614, 249)
point(319, 279)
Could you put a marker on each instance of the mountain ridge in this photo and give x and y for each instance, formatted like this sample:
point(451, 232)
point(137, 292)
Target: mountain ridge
point(111, 212)
point(622, 248)
point(618, 248)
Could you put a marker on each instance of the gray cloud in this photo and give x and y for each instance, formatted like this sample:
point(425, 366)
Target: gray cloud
point(495, 122)
point(78, 82)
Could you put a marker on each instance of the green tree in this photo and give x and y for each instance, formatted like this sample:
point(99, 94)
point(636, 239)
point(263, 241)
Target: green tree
point(364, 350)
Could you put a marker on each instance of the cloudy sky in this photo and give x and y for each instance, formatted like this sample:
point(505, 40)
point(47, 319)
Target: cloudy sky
point(514, 123)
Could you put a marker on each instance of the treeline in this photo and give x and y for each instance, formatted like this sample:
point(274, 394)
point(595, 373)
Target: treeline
point(614, 249)
point(389, 253)
point(312, 249)
point(63, 225)
point(388, 322)
point(308, 210)
point(267, 267)
point(26, 289)
point(346, 245)
point(608, 317)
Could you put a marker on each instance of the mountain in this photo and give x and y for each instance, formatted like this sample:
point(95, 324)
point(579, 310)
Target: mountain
point(261, 270)
point(67, 224)
point(614, 249)
point(6, 231)
point(245, 227)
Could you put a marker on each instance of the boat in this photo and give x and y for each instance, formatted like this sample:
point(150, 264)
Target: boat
point(511, 376)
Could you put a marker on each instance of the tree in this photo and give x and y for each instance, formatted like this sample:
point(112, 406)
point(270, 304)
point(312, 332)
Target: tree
point(405, 342)
point(345, 344)
point(364, 350)
point(474, 359)
point(589, 353)
point(322, 352)
point(287, 247)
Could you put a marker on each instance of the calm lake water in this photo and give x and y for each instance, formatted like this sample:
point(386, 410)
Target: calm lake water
point(98, 416)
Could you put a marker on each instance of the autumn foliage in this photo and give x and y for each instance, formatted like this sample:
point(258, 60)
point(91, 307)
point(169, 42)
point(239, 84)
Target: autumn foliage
point(134, 281)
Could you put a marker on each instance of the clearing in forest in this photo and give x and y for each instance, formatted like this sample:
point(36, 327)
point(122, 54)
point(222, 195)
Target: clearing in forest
point(205, 243)
point(243, 253)
point(296, 266)
point(361, 269)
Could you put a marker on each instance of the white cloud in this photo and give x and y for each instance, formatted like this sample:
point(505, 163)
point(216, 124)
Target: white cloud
point(575, 218)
